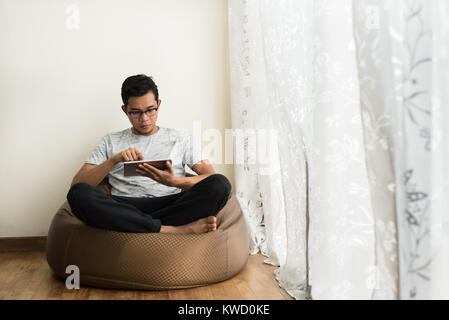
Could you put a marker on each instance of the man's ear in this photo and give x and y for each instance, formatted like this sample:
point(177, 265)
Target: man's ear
point(159, 103)
point(124, 109)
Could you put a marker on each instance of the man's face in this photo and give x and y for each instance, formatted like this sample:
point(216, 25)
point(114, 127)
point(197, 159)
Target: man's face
point(143, 123)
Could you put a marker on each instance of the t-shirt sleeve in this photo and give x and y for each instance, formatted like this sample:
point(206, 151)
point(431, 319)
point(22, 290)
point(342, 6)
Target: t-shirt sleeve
point(100, 152)
point(192, 153)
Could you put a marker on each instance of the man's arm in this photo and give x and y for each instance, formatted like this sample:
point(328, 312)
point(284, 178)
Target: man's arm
point(94, 174)
point(203, 169)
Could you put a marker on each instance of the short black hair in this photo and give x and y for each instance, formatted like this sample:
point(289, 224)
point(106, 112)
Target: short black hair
point(137, 86)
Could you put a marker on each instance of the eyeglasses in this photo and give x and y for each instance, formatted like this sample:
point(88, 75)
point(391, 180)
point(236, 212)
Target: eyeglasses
point(137, 114)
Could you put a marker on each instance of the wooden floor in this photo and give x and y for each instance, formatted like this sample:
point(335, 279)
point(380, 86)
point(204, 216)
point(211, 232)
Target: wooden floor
point(26, 275)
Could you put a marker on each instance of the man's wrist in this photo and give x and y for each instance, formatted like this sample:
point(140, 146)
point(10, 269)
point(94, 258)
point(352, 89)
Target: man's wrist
point(176, 181)
point(183, 183)
point(114, 160)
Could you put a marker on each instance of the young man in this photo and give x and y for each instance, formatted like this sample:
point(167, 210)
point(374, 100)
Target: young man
point(163, 201)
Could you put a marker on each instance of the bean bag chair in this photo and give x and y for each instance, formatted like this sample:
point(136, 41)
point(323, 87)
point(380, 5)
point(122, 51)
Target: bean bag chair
point(149, 261)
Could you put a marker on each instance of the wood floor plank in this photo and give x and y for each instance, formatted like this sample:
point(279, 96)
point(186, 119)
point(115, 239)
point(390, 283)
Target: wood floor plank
point(231, 290)
point(40, 272)
point(267, 276)
point(20, 287)
point(219, 292)
point(7, 274)
point(95, 293)
point(152, 295)
point(178, 294)
point(5, 258)
point(245, 290)
point(18, 274)
point(203, 293)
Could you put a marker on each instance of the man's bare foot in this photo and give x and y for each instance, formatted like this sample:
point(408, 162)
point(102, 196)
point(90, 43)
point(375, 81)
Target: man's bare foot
point(199, 226)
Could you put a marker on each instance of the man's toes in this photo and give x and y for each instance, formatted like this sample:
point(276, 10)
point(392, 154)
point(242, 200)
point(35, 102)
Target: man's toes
point(211, 220)
point(212, 226)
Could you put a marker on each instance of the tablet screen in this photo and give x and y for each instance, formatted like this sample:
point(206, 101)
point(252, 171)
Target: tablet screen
point(129, 167)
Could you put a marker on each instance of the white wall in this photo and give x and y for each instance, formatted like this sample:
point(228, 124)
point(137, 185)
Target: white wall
point(60, 87)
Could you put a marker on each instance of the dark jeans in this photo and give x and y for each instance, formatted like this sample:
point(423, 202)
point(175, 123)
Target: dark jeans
point(130, 214)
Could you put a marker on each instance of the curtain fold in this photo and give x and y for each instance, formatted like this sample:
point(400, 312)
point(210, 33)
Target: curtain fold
point(440, 152)
point(375, 70)
point(266, 180)
point(341, 149)
point(419, 33)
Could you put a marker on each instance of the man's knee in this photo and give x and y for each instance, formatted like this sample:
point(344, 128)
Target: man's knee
point(219, 186)
point(79, 192)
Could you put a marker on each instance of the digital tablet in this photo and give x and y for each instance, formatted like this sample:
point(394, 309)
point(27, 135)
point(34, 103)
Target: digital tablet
point(129, 167)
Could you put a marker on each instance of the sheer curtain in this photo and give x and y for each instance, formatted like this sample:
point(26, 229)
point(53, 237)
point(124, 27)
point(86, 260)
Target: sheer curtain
point(420, 31)
point(338, 112)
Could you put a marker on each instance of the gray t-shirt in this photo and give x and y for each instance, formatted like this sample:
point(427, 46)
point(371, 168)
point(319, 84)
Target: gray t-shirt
point(165, 144)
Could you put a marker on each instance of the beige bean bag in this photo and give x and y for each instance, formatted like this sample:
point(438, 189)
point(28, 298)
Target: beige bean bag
point(153, 261)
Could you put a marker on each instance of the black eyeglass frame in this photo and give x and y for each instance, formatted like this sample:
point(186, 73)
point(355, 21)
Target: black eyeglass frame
point(138, 114)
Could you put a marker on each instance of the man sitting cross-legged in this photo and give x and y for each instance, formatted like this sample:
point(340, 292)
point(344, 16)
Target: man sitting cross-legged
point(156, 200)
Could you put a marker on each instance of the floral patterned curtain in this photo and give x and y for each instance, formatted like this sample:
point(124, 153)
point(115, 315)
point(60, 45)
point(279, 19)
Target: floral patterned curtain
point(346, 99)
point(419, 33)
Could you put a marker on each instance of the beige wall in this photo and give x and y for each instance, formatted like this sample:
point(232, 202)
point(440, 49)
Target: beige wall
point(60, 87)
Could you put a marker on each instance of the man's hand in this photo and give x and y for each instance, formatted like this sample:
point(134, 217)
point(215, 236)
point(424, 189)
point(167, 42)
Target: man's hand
point(130, 154)
point(166, 177)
